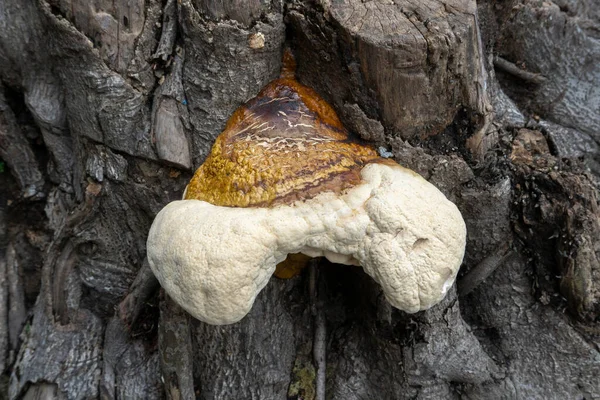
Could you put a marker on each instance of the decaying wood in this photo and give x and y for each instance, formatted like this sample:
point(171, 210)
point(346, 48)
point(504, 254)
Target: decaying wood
point(105, 109)
point(514, 70)
point(114, 27)
point(558, 40)
point(560, 212)
point(413, 65)
point(168, 111)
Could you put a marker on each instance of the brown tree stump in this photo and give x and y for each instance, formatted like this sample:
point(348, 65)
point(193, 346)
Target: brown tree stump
point(413, 65)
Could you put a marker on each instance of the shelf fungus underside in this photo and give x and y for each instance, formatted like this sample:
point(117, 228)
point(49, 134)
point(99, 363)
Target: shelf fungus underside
point(284, 178)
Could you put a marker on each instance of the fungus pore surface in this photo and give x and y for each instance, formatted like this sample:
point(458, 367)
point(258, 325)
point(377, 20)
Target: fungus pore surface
point(284, 178)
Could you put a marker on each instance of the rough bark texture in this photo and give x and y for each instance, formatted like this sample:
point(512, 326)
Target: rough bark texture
point(412, 65)
point(106, 107)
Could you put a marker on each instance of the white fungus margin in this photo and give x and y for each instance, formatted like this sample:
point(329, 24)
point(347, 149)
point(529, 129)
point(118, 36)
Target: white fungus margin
point(213, 261)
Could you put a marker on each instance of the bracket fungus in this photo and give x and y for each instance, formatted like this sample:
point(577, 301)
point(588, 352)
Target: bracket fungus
point(284, 178)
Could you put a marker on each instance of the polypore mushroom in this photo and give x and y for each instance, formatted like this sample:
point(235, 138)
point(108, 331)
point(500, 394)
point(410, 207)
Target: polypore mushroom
point(284, 178)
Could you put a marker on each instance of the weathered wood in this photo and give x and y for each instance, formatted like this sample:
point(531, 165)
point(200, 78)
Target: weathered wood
point(558, 40)
point(514, 70)
point(560, 212)
point(130, 369)
point(572, 143)
point(68, 356)
point(413, 65)
point(487, 215)
point(168, 32)
point(526, 333)
point(168, 111)
point(112, 26)
point(246, 12)
point(222, 70)
point(44, 100)
point(238, 360)
point(125, 95)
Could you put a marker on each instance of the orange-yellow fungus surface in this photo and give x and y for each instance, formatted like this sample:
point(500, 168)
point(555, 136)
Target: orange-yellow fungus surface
point(286, 144)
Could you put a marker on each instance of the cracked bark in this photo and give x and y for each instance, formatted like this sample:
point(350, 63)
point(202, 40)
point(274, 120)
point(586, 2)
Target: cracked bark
point(106, 109)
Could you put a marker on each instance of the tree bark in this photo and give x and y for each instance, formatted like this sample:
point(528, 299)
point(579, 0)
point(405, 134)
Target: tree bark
point(107, 108)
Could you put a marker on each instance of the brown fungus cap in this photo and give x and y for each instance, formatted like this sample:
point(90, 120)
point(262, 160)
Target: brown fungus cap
point(286, 144)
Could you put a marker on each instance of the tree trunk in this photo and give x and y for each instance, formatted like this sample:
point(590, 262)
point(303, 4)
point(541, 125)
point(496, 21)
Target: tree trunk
point(107, 108)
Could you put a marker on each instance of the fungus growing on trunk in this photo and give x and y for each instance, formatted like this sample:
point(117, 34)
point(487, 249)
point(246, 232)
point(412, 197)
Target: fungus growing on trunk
point(285, 178)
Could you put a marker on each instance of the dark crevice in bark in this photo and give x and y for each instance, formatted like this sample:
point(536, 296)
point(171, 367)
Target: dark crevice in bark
point(21, 144)
point(453, 139)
